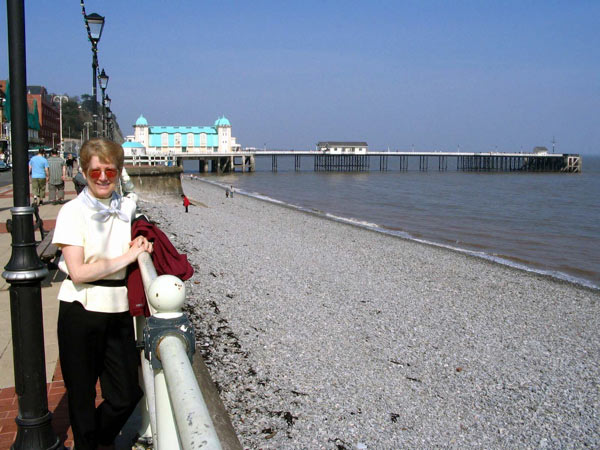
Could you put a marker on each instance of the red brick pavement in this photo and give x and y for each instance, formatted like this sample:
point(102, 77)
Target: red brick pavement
point(57, 404)
point(57, 395)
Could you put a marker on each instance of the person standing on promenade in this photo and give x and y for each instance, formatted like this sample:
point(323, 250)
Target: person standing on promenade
point(56, 183)
point(231, 193)
point(95, 330)
point(79, 181)
point(38, 172)
point(186, 202)
point(69, 164)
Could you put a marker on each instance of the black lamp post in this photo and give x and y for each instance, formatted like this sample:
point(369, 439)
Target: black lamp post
point(103, 78)
point(25, 271)
point(108, 115)
point(94, 24)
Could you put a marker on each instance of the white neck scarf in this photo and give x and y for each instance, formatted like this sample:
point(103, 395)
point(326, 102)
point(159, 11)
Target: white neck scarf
point(104, 212)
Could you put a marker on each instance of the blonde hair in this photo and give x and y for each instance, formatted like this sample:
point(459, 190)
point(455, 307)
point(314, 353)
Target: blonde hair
point(108, 152)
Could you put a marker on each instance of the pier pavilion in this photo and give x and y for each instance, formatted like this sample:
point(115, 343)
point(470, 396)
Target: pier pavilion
point(167, 140)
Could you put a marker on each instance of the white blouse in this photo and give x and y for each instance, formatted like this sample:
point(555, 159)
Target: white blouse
point(100, 240)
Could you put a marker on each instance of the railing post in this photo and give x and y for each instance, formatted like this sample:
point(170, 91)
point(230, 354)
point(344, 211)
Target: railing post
point(169, 346)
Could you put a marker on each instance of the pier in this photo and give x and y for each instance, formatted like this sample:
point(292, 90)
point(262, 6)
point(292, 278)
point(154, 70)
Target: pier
point(354, 162)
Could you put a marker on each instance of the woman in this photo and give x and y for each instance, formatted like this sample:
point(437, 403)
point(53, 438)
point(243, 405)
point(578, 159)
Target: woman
point(95, 330)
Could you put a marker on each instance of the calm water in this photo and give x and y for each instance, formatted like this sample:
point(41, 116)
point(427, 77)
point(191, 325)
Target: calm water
point(549, 223)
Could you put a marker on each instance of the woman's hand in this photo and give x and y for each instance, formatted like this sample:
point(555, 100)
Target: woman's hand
point(81, 272)
point(138, 246)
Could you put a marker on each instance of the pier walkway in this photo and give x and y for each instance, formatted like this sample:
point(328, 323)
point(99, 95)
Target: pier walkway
point(351, 162)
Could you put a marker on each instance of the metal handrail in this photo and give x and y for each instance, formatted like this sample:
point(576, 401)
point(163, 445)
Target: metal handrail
point(188, 425)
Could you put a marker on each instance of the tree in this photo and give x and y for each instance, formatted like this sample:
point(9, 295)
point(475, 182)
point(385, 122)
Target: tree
point(87, 103)
point(73, 118)
point(78, 110)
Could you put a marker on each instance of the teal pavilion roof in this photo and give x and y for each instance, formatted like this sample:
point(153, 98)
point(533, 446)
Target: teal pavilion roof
point(141, 121)
point(132, 145)
point(222, 122)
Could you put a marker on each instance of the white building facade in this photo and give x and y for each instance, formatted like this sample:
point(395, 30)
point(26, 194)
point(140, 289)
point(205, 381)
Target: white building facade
point(167, 140)
point(342, 147)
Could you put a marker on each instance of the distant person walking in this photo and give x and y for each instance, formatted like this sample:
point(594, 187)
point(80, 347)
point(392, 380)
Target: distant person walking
point(38, 172)
point(186, 202)
point(69, 164)
point(227, 192)
point(231, 193)
point(56, 183)
point(79, 181)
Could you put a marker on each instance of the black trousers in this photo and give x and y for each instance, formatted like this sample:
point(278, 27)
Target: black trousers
point(92, 346)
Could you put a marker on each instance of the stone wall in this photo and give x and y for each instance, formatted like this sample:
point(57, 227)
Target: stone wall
point(156, 182)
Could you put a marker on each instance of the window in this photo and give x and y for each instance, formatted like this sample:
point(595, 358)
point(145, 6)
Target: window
point(164, 139)
point(190, 140)
point(177, 139)
point(202, 139)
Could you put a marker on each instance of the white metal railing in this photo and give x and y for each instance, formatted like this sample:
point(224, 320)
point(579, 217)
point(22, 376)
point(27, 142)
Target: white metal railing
point(151, 160)
point(158, 158)
point(177, 416)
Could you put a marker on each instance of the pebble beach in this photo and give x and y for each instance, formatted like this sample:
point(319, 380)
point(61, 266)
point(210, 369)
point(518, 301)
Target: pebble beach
point(323, 335)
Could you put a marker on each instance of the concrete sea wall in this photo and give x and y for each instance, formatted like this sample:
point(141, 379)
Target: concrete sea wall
point(156, 182)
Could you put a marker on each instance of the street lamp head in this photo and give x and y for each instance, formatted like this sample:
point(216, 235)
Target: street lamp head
point(96, 24)
point(103, 79)
point(107, 101)
point(60, 98)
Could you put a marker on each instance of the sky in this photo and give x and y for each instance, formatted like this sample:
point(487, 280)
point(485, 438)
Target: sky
point(423, 75)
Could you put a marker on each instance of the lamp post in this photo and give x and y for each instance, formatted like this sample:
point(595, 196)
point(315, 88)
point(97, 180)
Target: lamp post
point(94, 24)
point(60, 99)
point(109, 121)
point(24, 270)
point(87, 127)
point(103, 78)
point(108, 114)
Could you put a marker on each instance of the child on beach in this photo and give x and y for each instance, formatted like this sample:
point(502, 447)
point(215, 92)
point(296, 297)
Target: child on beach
point(186, 202)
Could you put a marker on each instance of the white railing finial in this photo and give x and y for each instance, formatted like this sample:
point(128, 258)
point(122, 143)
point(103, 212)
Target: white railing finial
point(166, 295)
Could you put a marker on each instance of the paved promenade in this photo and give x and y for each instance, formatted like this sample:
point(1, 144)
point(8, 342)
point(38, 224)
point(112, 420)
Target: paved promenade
point(57, 401)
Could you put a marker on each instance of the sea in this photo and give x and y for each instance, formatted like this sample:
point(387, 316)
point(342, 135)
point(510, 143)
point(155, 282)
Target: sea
point(547, 223)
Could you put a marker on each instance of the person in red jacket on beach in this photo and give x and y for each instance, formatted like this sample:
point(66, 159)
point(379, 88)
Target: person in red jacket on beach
point(186, 202)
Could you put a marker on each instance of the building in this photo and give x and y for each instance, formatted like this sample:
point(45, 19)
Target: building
point(33, 120)
point(47, 130)
point(180, 139)
point(133, 148)
point(48, 113)
point(341, 147)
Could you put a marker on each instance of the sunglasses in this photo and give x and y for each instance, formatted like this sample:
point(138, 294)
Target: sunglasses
point(95, 174)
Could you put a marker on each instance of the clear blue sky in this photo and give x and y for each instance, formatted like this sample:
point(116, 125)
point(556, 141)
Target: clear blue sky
point(434, 74)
